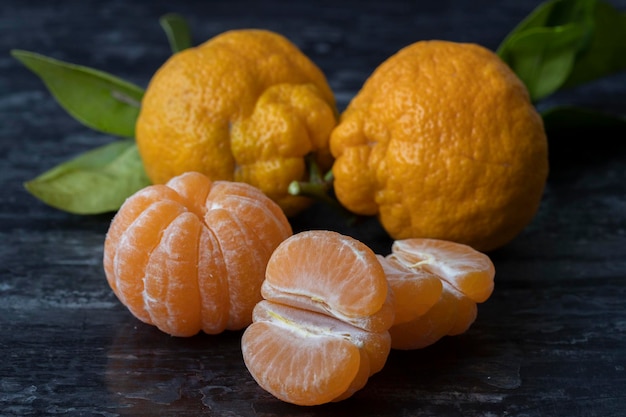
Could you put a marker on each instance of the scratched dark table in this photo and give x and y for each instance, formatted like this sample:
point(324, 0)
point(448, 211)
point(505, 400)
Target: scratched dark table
point(550, 342)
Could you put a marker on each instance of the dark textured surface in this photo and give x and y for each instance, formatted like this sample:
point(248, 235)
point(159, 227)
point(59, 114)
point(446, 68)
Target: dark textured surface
point(550, 342)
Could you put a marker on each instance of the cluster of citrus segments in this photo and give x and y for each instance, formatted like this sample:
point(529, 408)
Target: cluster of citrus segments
point(190, 255)
point(332, 310)
point(321, 310)
point(436, 285)
point(321, 331)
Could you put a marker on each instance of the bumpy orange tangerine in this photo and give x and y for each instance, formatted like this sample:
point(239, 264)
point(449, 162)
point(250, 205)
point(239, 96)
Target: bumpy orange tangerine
point(442, 141)
point(246, 105)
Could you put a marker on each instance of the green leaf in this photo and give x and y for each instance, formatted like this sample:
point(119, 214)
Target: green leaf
point(97, 99)
point(98, 181)
point(543, 49)
point(551, 14)
point(544, 57)
point(606, 52)
point(177, 31)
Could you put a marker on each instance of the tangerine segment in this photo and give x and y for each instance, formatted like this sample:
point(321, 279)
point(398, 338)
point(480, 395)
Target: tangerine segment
point(194, 190)
point(376, 345)
point(308, 358)
point(302, 370)
point(212, 284)
point(466, 311)
point(415, 291)
point(171, 275)
point(245, 268)
point(331, 273)
point(123, 219)
point(132, 249)
point(469, 271)
point(377, 322)
point(427, 329)
point(452, 315)
point(251, 205)
point(191, 255)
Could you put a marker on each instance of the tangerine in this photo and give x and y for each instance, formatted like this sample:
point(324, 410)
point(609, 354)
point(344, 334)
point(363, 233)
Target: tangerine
point(442, 141)
point(246, 105)
point(190, 255)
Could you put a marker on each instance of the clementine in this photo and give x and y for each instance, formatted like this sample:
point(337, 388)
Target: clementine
point(442, 142)
point(247, 105)
point(190, 255)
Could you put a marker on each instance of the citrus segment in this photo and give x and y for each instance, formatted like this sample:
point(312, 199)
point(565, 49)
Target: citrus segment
point(141, 200)
point(375, 345)
point(373, 348)
point(468, 270)
point(347, 280)
point(184, 262)
point(303, 370)
point(171, 276)
point(428, 328)
point(250, 205)
point(132, 253)
point(452, 315)
point(213, 284)
point(193, 190)
point(415, 291)
point(466, 311)
point(232, 236)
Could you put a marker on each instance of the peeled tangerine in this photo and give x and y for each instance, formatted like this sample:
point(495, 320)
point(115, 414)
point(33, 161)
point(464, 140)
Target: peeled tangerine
point(190, 255)
point(321, 331)
point(436, 286)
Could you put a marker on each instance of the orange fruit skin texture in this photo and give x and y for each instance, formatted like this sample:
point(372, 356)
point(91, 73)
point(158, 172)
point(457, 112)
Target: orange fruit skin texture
point(247, 105)
point(442, 142)
point(437, 285)
point(322, 329)
point(190, 255)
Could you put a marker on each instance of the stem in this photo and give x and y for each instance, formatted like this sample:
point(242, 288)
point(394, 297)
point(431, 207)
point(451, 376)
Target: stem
point(319, 188)
point(319, 191)
point(316, 191)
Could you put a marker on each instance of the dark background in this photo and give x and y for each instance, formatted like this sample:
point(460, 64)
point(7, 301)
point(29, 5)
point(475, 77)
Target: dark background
point(551, 341)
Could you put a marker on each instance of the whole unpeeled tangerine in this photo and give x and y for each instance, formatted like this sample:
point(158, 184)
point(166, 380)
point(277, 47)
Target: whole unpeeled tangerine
point(245, 106)
point(442, 142)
